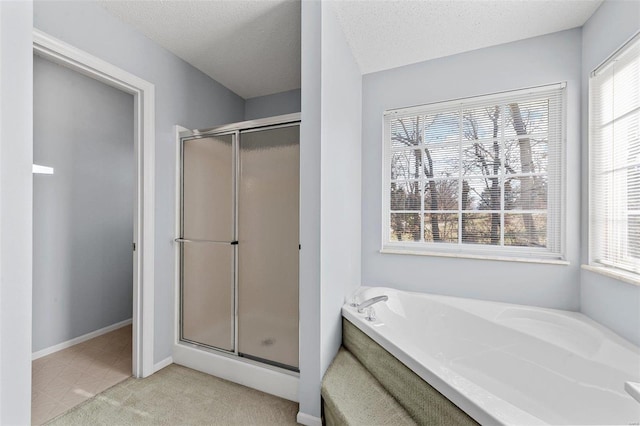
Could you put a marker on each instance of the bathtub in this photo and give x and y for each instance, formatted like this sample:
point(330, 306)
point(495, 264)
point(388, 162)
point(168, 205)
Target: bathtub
point(508, 364)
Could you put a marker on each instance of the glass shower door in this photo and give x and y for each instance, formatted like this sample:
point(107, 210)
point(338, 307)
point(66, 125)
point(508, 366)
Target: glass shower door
point(207, 241)
point(268, 250)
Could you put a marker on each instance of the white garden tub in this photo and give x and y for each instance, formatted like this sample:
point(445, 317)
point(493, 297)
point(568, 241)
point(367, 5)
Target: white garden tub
point(508, 364)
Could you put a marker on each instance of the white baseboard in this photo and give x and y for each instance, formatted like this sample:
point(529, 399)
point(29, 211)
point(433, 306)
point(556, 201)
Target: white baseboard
point(308, 419)
point(238, 371)
point(162, 364)
point(79, 339)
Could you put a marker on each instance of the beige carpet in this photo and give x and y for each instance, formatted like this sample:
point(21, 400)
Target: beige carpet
point(180, 396)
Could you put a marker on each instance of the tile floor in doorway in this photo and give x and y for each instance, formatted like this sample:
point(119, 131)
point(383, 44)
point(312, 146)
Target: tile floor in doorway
point(66, 378)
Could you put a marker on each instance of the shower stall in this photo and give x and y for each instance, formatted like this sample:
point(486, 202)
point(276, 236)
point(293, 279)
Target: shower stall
point(239, 239)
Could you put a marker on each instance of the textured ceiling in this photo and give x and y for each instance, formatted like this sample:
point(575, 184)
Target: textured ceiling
point(253, 46)
point(392, 33)
point(250, 46)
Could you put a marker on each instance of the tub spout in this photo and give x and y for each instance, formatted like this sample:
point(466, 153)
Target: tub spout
point(633, 389)
point(362, 306)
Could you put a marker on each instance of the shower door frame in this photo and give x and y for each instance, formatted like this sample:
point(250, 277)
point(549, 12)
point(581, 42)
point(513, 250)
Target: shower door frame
point(183, 134)
point(235, 149)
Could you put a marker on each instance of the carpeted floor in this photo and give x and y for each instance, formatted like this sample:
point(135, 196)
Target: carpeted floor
point(177, 395)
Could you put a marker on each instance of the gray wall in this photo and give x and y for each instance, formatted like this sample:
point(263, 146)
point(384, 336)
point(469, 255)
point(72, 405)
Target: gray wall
point(536, 61)
point(16, 126)
point(330, 149)
point(83, 214)
point(310, 293)
point(270, 105)
point(184, 96)
point(614, 303)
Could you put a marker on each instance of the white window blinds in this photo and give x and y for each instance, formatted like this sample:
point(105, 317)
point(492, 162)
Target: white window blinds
point(482, 175)
point(614, 173)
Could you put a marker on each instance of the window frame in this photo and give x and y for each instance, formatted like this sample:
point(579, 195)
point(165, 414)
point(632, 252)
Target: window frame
point(480, 251)
point(595, 264)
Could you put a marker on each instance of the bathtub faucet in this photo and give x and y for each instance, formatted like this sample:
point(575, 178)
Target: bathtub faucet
point(364, 305)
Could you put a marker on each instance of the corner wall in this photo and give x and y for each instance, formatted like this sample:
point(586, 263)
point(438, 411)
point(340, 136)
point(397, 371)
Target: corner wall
point(310, 225)
point(184, 96)
point(341, 181)
point(612, 302)
point(536, 61)
point(330, 176)
point(16, 153)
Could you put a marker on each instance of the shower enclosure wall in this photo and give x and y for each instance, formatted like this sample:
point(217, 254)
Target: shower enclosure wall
point(239, 239)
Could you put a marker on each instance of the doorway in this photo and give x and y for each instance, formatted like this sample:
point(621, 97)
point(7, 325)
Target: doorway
point(83, 211)
point(139, 247)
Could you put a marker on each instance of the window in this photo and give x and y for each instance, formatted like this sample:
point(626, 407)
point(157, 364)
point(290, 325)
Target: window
point(614, 170)
point(481, 176)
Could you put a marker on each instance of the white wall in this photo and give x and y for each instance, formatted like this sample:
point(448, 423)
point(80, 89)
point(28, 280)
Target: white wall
point(611, 302)
point(16, 59)
point(341, 142)
point(537, 61)
point(83, 213)
point(269, 105)
point(309, 384)
point(184, 96)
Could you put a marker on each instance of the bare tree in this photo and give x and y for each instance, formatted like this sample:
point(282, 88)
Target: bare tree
point(489, 163)
point(483, 161)
point(526, 162)
point(411, 136)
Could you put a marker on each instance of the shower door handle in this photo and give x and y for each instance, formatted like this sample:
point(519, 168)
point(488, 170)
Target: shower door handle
point(184, 240)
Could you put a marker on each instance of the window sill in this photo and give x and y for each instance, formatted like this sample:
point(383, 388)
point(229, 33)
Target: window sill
point(627, 277)
point(476, 256)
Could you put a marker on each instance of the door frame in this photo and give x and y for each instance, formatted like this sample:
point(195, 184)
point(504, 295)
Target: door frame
point(143, 93)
